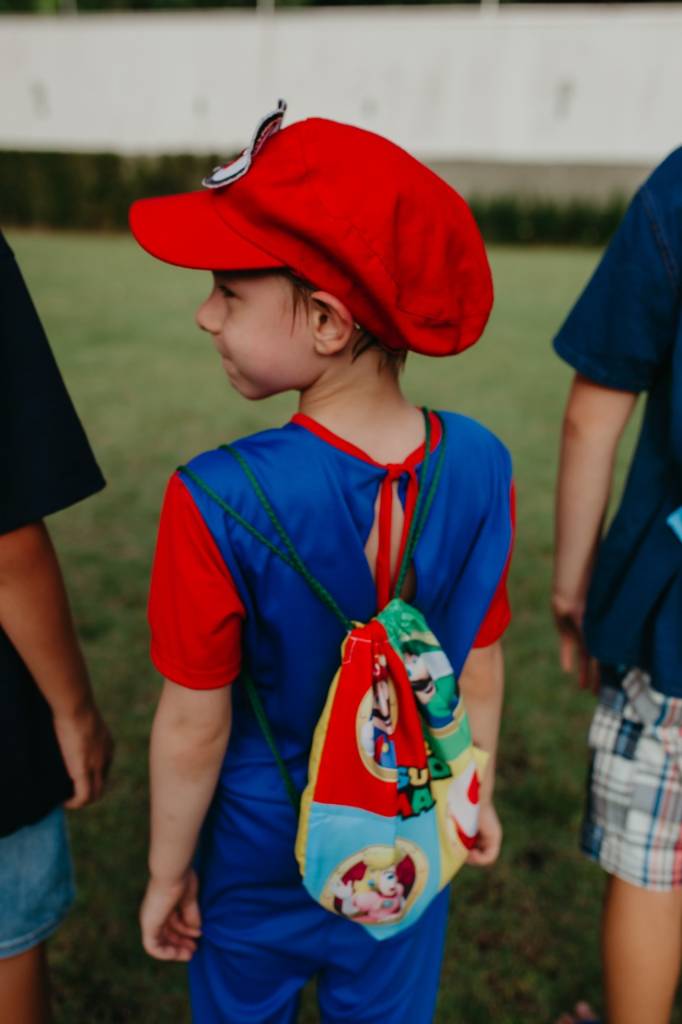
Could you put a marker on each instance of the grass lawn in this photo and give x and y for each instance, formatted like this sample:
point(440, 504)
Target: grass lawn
point(523, 937)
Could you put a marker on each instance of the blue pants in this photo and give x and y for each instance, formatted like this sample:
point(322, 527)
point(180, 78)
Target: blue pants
point(264, 937)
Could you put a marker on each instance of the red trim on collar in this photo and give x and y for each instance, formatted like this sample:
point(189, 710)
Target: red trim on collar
point(384, 579)
point(413, 459)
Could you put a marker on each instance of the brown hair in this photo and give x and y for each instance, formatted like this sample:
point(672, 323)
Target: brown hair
point(301, 290)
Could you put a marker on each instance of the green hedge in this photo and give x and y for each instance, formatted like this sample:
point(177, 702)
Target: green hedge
point(522, 220)
point(88, 190)
point(94, 191)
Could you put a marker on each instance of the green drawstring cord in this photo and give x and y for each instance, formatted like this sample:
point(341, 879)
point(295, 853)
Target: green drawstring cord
point(259, 712)
point(296, 560)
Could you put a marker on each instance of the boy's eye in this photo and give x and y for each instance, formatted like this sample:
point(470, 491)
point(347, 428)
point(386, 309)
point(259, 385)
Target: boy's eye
point(227, 292)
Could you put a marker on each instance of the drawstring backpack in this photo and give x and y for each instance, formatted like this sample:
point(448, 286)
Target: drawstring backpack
point(390, 810)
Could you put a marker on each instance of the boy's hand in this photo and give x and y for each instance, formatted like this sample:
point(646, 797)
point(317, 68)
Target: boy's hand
point(87, 749)
point(489, 838)
point(170, 919)
point(568, 618)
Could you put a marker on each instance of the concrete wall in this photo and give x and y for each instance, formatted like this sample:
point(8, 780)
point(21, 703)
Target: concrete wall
point(573, 98)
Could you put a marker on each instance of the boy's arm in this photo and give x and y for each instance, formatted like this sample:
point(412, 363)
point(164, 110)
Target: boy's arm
point(35, 615)
point(481, 684)
point(594, 420)
point(189, 738)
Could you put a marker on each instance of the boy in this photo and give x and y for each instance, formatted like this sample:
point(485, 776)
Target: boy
point(618, 600)
point(54, 748)
point(333, 252)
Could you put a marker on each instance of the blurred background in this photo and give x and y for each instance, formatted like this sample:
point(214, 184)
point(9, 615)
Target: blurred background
point(546, 117)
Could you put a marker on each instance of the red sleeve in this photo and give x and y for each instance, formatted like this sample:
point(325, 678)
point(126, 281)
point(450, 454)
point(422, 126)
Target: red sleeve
point(195, 612)
point(498, 616)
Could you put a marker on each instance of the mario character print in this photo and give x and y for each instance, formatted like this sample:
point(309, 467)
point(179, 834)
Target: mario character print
point(377, 730)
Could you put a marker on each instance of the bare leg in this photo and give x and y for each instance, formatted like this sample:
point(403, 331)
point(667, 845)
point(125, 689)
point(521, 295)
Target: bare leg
point(24, 988)
point(641, 949)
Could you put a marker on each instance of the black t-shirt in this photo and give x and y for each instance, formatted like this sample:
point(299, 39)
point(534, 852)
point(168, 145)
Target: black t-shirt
point(46, 464)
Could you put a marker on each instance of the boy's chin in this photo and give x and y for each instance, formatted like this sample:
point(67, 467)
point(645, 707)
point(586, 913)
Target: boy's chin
point(251, 391)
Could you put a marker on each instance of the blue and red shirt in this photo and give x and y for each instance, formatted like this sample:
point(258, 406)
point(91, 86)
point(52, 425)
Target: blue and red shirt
point(218, 596)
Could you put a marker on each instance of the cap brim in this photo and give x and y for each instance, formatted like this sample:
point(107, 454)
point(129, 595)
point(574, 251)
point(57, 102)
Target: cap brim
point(187, 231)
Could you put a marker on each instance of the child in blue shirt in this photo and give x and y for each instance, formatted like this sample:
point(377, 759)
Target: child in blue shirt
point(618, 599)
point(333, 252)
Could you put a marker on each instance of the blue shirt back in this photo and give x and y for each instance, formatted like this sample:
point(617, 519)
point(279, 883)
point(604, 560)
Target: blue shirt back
point(326, 499)
point(625, 332)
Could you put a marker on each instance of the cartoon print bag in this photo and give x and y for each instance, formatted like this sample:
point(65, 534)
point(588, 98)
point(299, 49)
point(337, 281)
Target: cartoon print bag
point(379, 839)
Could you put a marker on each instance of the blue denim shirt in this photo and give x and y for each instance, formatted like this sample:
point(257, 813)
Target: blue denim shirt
point(625, 332)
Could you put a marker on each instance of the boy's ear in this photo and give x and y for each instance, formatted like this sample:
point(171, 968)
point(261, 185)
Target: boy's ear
point(331, 323)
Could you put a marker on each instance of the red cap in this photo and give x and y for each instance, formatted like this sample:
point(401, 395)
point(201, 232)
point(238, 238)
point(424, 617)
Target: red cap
point(348, 211)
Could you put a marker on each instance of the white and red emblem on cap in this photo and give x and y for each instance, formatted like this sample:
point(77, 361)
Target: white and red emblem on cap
point(267, 127)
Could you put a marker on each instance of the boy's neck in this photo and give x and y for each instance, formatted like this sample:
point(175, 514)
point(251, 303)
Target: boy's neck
point(367, 409)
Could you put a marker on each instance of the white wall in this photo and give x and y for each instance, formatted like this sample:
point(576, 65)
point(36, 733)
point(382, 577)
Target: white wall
point(580, 84)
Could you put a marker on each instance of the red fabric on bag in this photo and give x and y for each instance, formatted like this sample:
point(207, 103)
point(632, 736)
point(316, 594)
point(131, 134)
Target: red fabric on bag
point(342, 774)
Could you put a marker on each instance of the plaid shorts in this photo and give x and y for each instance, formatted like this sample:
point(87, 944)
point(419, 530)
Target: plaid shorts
point(633, 820)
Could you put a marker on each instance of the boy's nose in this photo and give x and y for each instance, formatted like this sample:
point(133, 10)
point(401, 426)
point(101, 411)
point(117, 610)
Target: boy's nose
point(207, 315)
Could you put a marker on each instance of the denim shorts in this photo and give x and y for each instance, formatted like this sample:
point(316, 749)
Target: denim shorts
point(36, 883)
